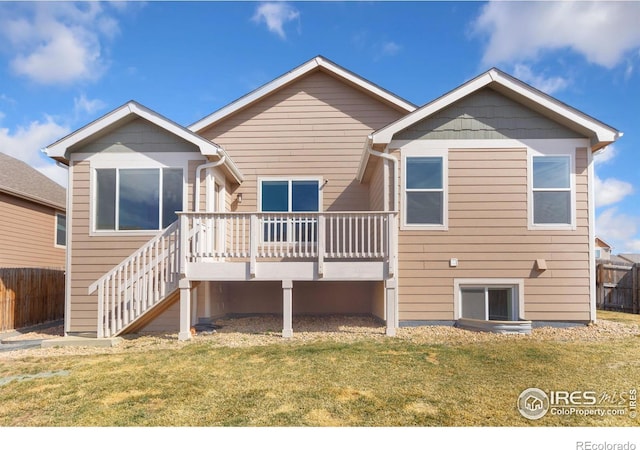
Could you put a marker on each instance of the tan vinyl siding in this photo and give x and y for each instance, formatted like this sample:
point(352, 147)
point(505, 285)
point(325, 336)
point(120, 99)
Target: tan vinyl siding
point(376, 187)
point(488, 234)
point(486, 115)
point(314, 127)
point(93, 255)
point(27, 234)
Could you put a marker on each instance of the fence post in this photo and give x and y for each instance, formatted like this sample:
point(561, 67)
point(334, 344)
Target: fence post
point(634, 293)
point(600, 286)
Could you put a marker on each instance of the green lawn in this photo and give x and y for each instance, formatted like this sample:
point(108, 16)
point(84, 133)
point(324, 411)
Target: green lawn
point(388, 383)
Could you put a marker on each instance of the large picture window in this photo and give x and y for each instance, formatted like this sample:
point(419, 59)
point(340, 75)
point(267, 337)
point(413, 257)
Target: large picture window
point(137, 199)
point(289, 196)
point(552, 190)
point(424, 191)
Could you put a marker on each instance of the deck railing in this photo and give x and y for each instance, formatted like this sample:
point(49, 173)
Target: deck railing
point(138, 283)
point(152, 273)
point(263, 236)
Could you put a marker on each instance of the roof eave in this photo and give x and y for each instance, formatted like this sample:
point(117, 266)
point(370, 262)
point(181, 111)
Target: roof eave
point(287, 78)
point(33, 198)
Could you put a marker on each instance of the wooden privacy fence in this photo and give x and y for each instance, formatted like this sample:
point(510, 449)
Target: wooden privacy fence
point(30, 296)
point(617, 287)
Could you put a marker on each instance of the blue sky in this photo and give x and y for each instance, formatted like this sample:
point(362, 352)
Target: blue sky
point(63, 65)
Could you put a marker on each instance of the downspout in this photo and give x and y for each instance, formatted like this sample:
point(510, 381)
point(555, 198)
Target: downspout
point(394, 162)
point(199, 169)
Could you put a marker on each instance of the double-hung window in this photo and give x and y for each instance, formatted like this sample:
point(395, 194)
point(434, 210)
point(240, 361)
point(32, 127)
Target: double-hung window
point(289, 196)
point(424, 191)
point(551, 190)
point(137, 199)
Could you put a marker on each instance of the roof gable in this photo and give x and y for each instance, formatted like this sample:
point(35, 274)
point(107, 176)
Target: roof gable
point(125, 114)
point(486, 114)
point(21, 180)
point(514, 89)
point(318, 63)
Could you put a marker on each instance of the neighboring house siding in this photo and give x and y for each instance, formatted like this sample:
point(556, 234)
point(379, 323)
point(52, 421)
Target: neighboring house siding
point(27, 234)
point(313, 127)
point(93, 255)
point(486, 115)
point(488, 234)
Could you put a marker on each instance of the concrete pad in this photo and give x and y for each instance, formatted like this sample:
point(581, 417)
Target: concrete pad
point(78, 341)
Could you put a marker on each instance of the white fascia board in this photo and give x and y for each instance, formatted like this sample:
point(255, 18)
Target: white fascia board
point(291, 76)
point(603, 133)
point(59, 148)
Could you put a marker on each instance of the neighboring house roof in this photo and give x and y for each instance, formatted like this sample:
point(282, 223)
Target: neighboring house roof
point(619, 261)
point(631, 257)
point(602, 244)
point(130, 111)
point(318, 63)
point(19, 179)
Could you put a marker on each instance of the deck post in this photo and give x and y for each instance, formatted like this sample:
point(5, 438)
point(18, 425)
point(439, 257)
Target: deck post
point(254, 226)
point(287, 308)
point(185, 310)
point(321, 245)
point(392, 305)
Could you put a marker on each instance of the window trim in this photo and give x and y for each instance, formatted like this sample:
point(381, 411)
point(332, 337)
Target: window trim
point(290, 236)
point(571, 155)
point(517, 284)
point(56, 244)
point(425, 153)
point(136, 161)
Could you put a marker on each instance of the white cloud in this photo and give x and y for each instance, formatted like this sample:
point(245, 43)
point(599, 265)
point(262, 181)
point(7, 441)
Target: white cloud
point(618, 228)
point(611, 190)
point(83, 105)
point(57, 42)
point(605, 155)
point(549, 84)
point(603, 32)
point(26, 143)
point(275, 15)
point(390, 48)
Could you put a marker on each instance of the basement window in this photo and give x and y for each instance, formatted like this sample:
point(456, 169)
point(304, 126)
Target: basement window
point(489, 303)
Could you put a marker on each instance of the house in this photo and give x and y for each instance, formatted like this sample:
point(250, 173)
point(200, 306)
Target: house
point(603, 250)
point(32, 217)
point(321, 192)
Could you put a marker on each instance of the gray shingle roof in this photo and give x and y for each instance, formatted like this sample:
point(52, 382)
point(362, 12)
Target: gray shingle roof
point(631, 257)
point(18, 178)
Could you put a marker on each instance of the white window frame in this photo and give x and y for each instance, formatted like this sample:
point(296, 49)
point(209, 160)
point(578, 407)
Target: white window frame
point(561, 152)
point(55, 231)
point(426, 153)
point(290, 236)
point(289, 193)
point(133, 160)
point(516, 284)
